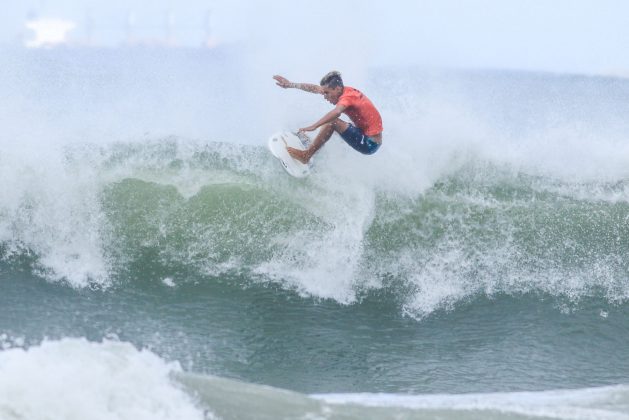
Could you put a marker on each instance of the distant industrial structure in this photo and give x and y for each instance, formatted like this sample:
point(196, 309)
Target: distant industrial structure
point(52, 32)
point(48, 32)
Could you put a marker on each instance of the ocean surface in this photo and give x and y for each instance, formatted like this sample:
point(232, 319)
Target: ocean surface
point(156, 262)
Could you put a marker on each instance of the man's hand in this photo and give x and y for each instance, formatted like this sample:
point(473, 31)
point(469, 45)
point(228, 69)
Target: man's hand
point(301, 155)
point(309, 128)
point(282, 82)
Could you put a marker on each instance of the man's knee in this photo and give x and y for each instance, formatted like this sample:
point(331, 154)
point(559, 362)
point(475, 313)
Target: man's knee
point(327, 127)
point(339, 125)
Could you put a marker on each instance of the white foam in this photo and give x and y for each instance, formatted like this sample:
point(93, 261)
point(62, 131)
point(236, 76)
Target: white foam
point(76, 379)
point(324, 261)
point(51, 208)
point(168, 281)
point(604, 403)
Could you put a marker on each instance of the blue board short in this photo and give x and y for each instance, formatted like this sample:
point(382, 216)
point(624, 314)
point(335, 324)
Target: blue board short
point(360, 142)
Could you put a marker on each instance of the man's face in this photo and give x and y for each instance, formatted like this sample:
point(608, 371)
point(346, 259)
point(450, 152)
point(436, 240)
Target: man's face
point(332, 95)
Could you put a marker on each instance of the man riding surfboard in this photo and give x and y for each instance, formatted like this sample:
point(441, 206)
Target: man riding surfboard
point(364, 134)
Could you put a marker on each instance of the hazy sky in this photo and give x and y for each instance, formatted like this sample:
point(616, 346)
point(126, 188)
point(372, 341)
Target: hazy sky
point(589, 36)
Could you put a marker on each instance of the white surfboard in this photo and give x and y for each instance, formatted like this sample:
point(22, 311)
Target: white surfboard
point(278, 144)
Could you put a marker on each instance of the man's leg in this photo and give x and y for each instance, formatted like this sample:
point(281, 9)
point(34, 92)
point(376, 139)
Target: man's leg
point(324, 134)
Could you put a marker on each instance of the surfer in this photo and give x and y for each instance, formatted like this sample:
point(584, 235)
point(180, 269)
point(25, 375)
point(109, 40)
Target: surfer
point(364, 135)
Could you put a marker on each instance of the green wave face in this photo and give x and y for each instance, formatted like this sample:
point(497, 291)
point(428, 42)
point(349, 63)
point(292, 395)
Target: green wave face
point(234, 225)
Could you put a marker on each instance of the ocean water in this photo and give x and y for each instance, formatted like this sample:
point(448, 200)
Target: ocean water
point(157, 263)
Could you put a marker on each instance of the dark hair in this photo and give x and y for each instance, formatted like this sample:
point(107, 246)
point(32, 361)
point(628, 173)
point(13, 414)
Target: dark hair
point(332, 80)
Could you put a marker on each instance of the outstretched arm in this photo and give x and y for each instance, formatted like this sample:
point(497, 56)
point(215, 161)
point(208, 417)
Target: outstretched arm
point(308, 87)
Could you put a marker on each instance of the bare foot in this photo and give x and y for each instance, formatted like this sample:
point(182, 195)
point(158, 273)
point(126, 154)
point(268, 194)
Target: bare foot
point(300, 155)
